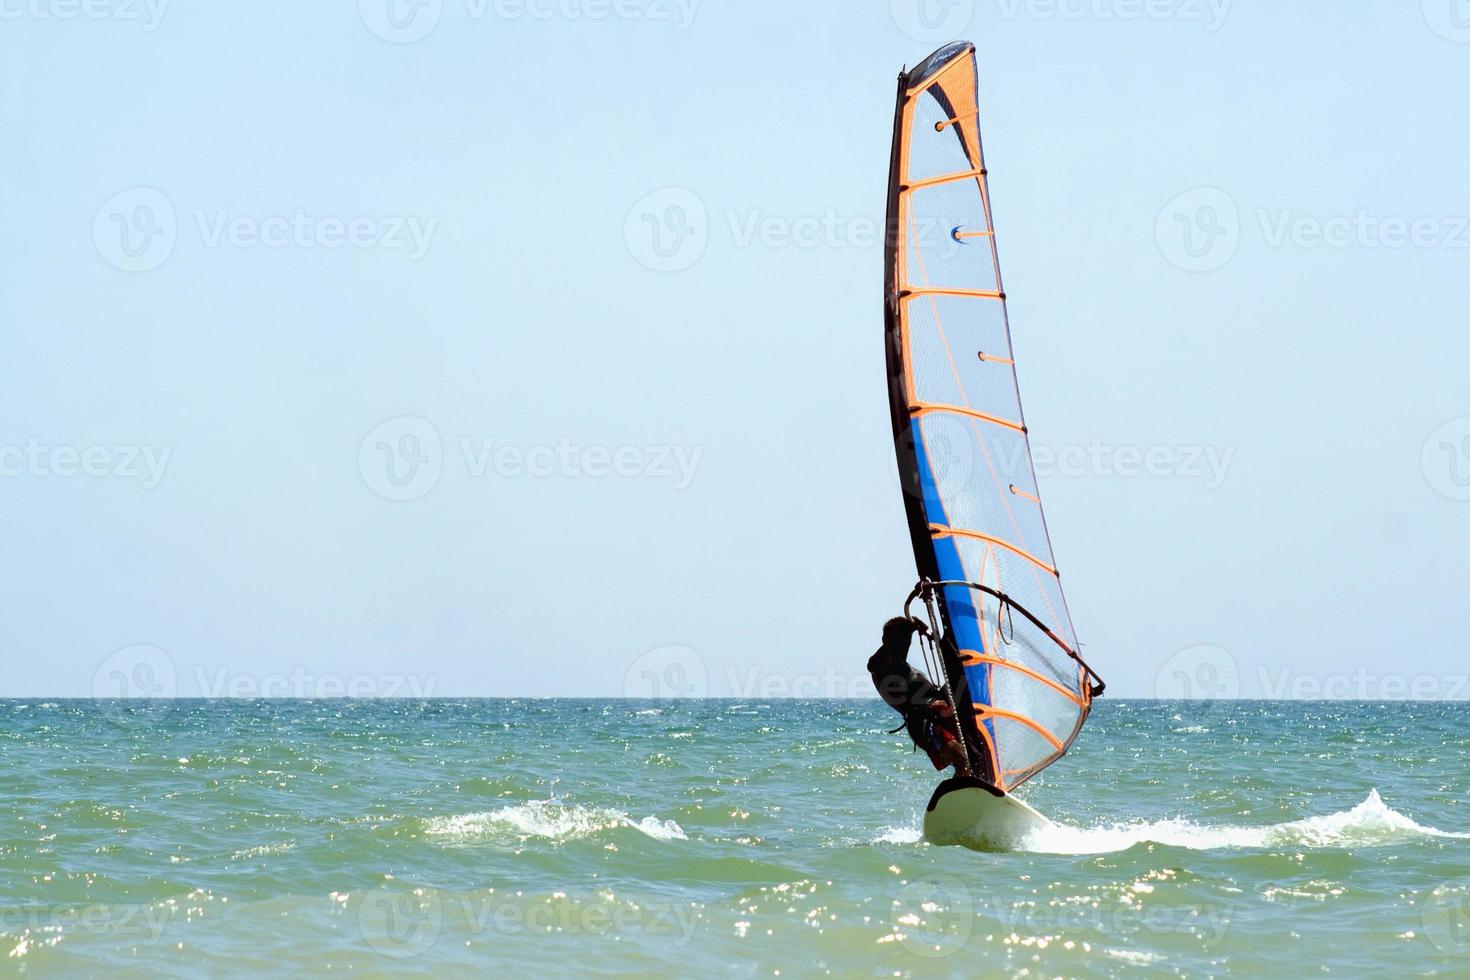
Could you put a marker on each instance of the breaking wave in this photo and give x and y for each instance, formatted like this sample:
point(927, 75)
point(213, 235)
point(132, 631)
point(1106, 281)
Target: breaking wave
point(545, 819)
point(1371, 822)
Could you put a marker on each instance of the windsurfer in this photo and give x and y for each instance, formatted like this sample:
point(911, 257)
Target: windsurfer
point(925, 708)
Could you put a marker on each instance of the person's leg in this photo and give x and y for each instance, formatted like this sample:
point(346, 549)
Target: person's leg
point(952, 754)
point(947, 750)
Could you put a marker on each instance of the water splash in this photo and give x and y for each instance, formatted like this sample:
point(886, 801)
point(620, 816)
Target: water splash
point(1370, 823)
point(546, 819)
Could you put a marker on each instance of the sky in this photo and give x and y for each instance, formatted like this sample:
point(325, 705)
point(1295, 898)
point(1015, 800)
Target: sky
point(534, 347)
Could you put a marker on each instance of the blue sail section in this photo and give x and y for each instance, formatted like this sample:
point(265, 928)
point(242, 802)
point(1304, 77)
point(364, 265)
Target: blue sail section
point(964, 622)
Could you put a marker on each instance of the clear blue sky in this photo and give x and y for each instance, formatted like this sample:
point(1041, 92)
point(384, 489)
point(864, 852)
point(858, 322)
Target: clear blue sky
point(179, 184)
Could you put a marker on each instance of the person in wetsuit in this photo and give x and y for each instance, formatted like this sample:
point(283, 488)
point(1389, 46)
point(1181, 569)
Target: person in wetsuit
point(925, 708)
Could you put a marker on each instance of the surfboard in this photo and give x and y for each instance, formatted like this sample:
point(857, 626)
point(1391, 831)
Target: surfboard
point(969, 813)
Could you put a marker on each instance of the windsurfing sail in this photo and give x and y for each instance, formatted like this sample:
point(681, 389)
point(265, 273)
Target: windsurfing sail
point(974, 511)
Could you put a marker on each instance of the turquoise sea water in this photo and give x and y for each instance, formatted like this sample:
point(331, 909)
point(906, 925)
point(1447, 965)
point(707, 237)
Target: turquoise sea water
point(557, 838)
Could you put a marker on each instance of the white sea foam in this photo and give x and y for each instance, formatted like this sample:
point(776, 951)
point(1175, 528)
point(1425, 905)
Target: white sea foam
point(547, 819)
point(1369, 823)
point(899, 835)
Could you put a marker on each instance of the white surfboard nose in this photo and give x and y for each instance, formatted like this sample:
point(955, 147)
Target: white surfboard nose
point(975, 817)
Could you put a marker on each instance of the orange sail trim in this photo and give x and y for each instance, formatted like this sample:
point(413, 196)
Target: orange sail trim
point(990, 749)
point(986, 711)
point(940, 127)
point(941, 179)
point(926, 408)
point(939, 530)
point(970, 657)
point(1022, 493)
point(909, 292)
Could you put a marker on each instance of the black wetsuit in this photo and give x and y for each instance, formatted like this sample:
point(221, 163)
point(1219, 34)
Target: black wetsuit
point(905, 689)
point(909, 692)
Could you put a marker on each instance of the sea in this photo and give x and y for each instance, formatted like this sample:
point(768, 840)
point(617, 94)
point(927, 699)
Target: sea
point(571, 838)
